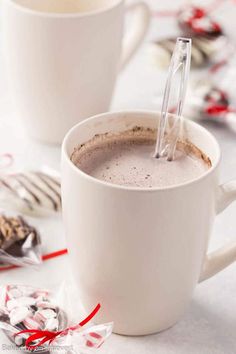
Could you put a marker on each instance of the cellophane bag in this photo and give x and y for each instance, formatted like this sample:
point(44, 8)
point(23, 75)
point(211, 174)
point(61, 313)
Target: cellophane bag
point(20, 242)
point(213, 97)
point(40, 321)
point(36, 193)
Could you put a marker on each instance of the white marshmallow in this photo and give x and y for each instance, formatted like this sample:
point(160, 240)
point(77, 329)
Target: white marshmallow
point(39, 299)
point(39, 318)
point(14, 293)
point(52, 324)
point(11, 304)
point(26, 290)
point(43, 293)
point(26, 301)
point(31, 323)
point(45, 305)
point(47, 313)
point(21, 301)
point(18, 341)
point(18, 315)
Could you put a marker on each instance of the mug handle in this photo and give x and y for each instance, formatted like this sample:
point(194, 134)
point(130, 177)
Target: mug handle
point(223, 257)
point(137, 32)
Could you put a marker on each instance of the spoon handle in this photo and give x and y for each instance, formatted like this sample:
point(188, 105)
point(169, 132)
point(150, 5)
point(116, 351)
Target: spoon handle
point(181, 60)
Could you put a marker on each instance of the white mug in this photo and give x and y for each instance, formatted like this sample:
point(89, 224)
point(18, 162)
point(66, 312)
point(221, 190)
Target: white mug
point(141, 252)
point(62, 58)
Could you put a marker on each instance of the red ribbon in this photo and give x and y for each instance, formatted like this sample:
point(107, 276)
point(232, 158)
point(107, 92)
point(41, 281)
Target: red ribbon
point(47, 336)
point(45, 257)
point(55, 254)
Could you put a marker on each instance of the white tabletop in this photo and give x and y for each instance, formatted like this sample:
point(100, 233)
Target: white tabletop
point(209, 326)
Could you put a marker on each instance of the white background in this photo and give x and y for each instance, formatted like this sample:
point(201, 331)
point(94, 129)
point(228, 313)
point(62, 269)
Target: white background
point(209, 326)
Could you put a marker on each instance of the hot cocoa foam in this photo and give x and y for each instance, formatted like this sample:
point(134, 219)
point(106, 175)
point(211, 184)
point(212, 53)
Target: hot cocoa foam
point(127, 159)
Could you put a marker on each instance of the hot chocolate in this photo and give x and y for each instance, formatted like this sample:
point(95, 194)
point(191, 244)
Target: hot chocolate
point(127, 159)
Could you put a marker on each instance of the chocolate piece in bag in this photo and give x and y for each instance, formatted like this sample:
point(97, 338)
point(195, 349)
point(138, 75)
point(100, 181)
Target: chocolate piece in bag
point(20, 243)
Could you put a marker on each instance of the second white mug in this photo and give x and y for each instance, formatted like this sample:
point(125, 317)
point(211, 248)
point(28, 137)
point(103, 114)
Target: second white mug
point(63, 57)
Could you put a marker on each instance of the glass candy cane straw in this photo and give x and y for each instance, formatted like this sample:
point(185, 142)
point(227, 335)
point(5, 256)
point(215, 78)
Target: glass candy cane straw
point(181, 60)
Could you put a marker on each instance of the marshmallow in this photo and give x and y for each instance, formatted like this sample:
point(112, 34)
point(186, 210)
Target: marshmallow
point(18, 341)
point(26, 290)
point(20, 302)
point(26, 301)
point(47, 314)
point(14, 293)
point(39, 299)
point(52, 324)
point(41, 293)
point(11, 304)
point(31, 323)
point(18, 315)
point(45, 305)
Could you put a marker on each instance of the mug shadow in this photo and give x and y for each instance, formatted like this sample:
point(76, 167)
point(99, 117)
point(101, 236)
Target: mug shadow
point(201, 331)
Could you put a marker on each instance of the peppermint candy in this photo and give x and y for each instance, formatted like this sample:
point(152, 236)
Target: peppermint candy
point(26, 308)
point(195, 21)
point(19, 314)
point(28, 317)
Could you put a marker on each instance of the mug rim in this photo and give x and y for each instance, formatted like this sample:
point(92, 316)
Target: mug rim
point(28, 10)
point(66, 157)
